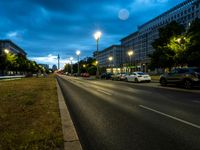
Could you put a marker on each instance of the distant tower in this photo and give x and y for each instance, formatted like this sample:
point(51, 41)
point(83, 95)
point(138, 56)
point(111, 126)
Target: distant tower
point(58, 62)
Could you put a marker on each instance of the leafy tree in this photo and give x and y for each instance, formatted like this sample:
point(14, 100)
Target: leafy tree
point(163, 56)
point(193, 51)
point(179, 45)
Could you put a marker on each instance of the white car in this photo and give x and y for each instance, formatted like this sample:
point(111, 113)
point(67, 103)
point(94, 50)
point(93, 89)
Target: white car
point(138, 77)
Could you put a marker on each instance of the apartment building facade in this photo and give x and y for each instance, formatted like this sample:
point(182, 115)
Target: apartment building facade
point(11, 47)
point(114, 51)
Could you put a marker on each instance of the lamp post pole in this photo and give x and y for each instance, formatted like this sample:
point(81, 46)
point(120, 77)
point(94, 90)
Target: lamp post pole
point(97, 36)
point(78, 54)
point(71, 58)
point(110, 60)
point(130, 53)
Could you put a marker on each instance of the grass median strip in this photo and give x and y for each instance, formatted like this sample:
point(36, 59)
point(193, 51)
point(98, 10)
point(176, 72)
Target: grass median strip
point(29, 114)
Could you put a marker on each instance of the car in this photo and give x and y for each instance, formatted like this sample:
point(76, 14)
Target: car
point(116, 76)
point(138, 77)
point(106, 76)
point(122, 76)
point(188, 77)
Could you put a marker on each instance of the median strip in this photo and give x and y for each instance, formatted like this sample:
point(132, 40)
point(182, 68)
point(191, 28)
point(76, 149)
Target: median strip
point(169, 116)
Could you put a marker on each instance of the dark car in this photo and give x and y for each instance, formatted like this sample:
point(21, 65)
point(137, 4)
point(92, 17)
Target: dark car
point(188, 77)
point(106, 76)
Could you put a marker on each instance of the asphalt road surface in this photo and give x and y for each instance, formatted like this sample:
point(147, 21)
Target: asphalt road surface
point(110, 115)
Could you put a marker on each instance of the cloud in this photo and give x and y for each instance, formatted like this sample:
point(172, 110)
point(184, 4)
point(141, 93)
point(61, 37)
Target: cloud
point(12, 34)
point(47, 27)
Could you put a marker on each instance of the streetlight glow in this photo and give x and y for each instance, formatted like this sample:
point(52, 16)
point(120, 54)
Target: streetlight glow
point(110, 58)
point(78, 52)
point(6, 51)
point(130, 53)
point(97, 35)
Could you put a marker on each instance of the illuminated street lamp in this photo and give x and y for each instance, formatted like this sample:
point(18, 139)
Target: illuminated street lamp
point(6, 51)
point(97, 36)
point(71, 58)
point(110, 60)
point(78, 52)
point(130, 53)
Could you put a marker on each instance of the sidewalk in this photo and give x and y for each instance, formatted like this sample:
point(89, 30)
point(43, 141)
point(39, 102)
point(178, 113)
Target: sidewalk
point(12, 77)
point(71, 140)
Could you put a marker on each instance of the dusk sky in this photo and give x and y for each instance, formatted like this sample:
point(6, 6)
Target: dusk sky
point(44, 28)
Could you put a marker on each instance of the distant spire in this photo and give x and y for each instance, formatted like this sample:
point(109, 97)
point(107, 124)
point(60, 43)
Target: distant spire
point(58, 62)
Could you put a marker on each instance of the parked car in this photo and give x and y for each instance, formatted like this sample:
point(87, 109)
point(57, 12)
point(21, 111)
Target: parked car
point(106, 76)
point(187, 77)
point(116, 76)
point(138, 77)
point(122, 76)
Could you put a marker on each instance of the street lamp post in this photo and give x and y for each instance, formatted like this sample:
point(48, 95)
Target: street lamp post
point(130, 53)
point(71, 58)
point(110, 60)
point(78, 54)
point(97, 36)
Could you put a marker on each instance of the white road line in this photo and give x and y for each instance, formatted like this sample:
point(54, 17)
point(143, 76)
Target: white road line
point(196, 102)
point(169, 116)
point(104, 92)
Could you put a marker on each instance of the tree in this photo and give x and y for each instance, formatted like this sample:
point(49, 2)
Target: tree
point(193, 51)
point(179, 45)
point(163, 56)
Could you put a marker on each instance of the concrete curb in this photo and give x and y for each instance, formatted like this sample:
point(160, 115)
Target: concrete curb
point(71, 140)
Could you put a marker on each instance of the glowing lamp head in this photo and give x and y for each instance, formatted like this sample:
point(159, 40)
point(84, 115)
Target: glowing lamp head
point(110, 58)
point(97, 35)
point(130, 53)
point(78, 52)
point(6, 51)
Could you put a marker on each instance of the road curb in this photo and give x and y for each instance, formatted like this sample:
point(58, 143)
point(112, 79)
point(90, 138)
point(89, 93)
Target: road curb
point(71, 140)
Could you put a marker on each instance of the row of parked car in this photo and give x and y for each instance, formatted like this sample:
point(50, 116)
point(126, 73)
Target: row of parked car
point(132, 77)
point(187, 77)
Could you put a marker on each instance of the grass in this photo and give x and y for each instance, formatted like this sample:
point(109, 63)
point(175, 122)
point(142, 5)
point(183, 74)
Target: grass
point(29, 115)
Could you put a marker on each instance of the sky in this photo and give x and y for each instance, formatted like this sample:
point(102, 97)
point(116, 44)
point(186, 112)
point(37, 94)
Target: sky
point(46, 28)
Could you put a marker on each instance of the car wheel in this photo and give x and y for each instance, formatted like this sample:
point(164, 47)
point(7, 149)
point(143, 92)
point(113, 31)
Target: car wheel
point(136, 80)
point(187, 84)
point(126, 79)
point(163, 82)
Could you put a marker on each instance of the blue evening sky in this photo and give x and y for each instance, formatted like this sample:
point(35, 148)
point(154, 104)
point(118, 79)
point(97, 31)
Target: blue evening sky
point(44, 28)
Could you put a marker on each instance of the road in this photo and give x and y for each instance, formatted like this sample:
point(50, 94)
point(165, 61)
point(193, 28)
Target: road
point(110, 115)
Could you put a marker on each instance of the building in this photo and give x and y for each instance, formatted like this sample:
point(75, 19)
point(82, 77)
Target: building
point(11, 47)
point(46, 66)
point(54, 67)
point(114, 51)
point(141, 40)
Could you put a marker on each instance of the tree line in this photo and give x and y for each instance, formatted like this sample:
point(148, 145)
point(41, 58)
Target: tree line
point(177, 46)
point(18, 64)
